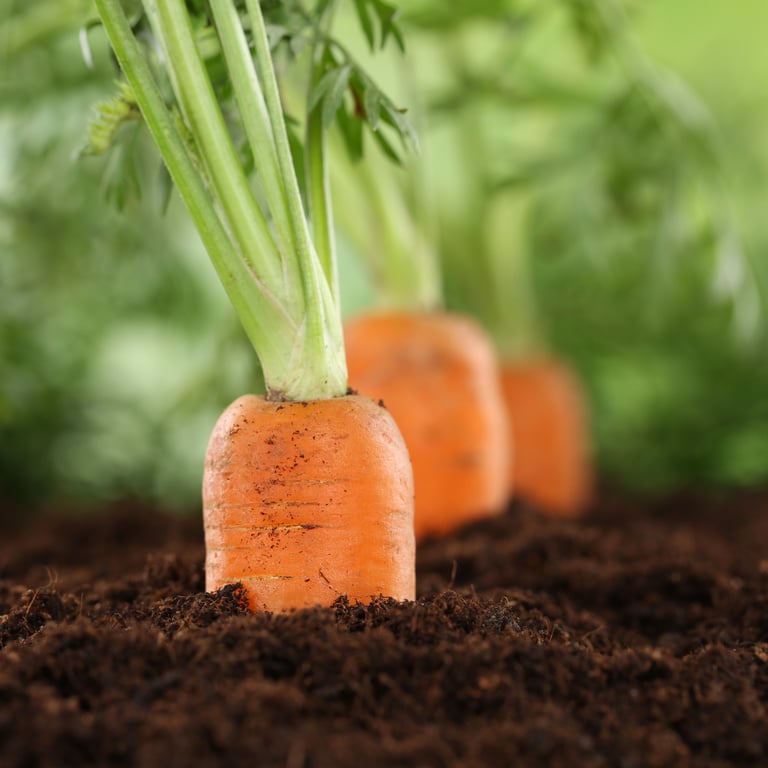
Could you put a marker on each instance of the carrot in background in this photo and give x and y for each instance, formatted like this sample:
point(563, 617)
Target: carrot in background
point(437, 375)
point(547, 409)
point(436, 371)
point(308, 493)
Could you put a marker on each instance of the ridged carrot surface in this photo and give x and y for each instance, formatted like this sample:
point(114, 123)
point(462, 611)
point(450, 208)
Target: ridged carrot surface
point(437, 375)
point(551, 466)
point(307, 501)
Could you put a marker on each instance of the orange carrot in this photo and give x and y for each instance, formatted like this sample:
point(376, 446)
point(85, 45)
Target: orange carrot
point(306, 501)
point(437, 375)
point(551, 466)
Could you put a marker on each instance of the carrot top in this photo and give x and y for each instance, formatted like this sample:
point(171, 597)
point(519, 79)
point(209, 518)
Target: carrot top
point(385, 216)
point(276, 261)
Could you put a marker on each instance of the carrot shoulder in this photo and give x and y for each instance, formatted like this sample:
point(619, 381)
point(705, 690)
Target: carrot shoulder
point(551, 466)
point(437, 374)
point(307, 501)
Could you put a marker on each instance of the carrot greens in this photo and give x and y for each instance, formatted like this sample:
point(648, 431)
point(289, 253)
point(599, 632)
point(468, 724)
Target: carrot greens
point(203, 74)
point(384, 216)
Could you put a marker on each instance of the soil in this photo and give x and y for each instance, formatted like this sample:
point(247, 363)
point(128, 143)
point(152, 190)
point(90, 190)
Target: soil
point(635, 637)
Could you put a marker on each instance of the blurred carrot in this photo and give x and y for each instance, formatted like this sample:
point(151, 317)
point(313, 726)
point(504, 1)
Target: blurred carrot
point(437, 375)
point(548, 420)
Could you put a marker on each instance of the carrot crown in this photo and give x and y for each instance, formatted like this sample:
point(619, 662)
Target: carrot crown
point(277, 264)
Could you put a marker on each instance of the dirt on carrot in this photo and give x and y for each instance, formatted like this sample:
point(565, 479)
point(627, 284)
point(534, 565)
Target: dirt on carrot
point(636, 636)
point(438, 376)
point(306, 501)
point(551, 463)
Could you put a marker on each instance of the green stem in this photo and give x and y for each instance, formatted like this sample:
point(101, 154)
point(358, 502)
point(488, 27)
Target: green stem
point(322, 313)
point(318, 192)
point(201, 109)
point(304, 252)
point(375, 216)
point(488, 270)
point(316, 157)
point(297, 365)
point(180, 165)
point(255, 119)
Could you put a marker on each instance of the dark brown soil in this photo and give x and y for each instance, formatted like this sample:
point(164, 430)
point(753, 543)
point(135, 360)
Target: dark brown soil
point(637, 637)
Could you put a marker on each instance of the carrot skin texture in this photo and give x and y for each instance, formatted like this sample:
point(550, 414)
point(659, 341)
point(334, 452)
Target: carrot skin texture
point(307, 501)
point(548, 417)
point(437, 374)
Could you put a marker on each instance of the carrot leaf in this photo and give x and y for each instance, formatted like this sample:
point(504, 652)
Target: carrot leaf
point(111, 114)
point(386, 15)
point(366, 21)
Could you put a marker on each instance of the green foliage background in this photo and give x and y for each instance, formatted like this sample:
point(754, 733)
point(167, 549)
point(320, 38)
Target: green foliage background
point(679, 389)
point(118, 349)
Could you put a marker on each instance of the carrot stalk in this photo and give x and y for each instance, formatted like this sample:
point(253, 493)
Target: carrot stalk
point(380, 213)
point(317, 174)
point(282, 296)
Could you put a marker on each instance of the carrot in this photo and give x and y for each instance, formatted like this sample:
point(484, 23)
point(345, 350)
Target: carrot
point(307, 501)
point(437, 374)
point(308, 493)
point(548, 419)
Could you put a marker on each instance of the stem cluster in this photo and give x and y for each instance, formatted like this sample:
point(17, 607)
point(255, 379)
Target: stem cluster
point(284, 292)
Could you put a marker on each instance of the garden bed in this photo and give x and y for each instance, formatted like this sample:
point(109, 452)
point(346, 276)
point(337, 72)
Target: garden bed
point(636, 637)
